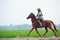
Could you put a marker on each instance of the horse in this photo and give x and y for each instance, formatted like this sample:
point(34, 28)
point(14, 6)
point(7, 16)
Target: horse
point(45, 24)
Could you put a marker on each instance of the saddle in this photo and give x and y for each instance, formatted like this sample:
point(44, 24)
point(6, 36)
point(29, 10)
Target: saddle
point(42, 23)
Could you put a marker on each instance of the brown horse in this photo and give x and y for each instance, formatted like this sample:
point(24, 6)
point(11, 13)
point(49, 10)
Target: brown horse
point(45, 24)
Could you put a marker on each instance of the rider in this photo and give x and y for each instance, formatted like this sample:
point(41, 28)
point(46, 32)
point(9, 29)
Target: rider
point(39, 16)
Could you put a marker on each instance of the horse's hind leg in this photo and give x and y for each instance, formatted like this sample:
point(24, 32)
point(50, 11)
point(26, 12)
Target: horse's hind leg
point(53, 31)
point(37, 31)
point(46, 31)
point(30, 31)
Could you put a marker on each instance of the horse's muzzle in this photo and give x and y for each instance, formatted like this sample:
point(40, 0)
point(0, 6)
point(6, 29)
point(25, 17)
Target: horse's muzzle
point(27, 18)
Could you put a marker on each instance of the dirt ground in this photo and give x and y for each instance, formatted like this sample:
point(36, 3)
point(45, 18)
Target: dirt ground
point(31, 38)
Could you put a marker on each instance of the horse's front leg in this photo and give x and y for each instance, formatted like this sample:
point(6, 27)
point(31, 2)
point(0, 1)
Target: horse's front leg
point(30, 31)
point(37, 31)
point(46, 31)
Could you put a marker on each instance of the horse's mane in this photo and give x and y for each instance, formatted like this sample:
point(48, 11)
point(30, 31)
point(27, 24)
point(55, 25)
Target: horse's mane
point(34, 16)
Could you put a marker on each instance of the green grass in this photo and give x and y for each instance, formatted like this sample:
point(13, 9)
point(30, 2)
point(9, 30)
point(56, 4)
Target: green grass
point(23, 33)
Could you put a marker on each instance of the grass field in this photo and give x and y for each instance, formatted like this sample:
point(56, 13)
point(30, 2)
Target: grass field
point(23, 33)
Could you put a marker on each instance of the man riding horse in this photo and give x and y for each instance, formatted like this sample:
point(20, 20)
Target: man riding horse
point(37, 21)
point(39, 16)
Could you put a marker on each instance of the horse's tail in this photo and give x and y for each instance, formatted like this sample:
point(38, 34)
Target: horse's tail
point(54, 26)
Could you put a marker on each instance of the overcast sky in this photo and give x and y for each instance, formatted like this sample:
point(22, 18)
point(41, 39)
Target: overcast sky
point(16, 11)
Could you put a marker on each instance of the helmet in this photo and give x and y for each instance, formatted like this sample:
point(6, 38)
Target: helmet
point(38, 9)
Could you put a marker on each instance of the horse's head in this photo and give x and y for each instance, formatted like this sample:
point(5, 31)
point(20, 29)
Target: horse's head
point(31, 15)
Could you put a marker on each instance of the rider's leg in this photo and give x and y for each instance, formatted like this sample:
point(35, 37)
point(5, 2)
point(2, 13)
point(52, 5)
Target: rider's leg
point(39, 22)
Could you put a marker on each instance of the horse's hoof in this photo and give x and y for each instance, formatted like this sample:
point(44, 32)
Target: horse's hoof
point(56, 36)
point(27, 35)
point(44, 36)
